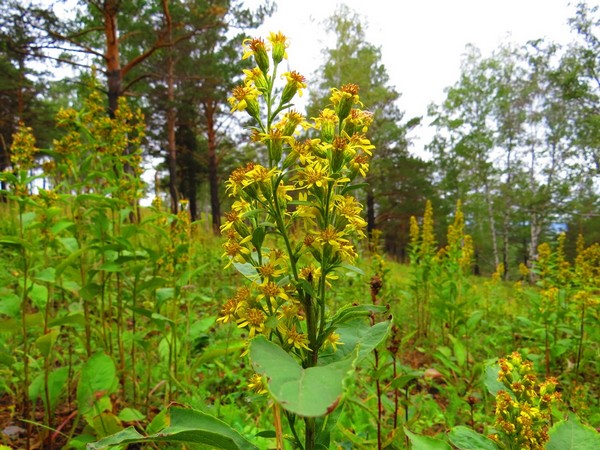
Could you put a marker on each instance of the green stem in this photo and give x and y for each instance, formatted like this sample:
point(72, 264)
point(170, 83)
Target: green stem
point(25, 390)
point(310, 435)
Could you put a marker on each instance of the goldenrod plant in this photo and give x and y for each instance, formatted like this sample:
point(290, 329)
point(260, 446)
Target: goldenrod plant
point(292, 225)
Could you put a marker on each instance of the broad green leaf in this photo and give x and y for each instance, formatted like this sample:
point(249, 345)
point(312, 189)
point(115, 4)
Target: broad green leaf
point(491, 379)
point(164, 294)
point(353, 187)
point(357, 334)
point(350, 312)
point(10, 304)
point(39, 295)
point(474, 319)
point(12, 325)
point(247, 270)
point(131, 415)
point(111, 266)
point(352, 268)
point(14, 241)
point(460, 351)
point(573, 435)
point(106, 424)
point(97, 379)
point(69, 243)
point(57, 380)
point(7, 359)
point(46, 341)
point(218, 350)
point(425, 442)
point(60, 226)
point(75, 318)
point(152, 283)
point(467, 439)
point(310, 392)
point(185, 425)
point(28, 219)
point(48, 275)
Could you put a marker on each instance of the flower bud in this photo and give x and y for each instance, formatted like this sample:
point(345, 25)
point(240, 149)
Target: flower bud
point(279, 44)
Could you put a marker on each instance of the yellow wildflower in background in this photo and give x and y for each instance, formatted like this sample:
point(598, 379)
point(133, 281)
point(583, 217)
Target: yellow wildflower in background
point(523, 419)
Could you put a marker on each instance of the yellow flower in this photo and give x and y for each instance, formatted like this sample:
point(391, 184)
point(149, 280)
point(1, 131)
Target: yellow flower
point(254, 320)
point(269, 271)
point(326, 122)
point(235, 183)
point(290, 122)
point(303, 151)
point(360, 164)
point(333, 340)
point(313, 175)
point(244, 98)
point(297, 340)
point(279, 43)
point(414, 231)
point(235, 250)
point(289, 312)
point(295, 84)
point(257, 384)
point(343, 99)
point(229, 310)
point(23, 149)
point(271, 291)
point(256, 47)
point(358, 121)
point(257, 78)
point(358, 141)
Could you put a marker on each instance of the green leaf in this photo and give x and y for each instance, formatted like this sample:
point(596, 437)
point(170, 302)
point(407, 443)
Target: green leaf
point(75, 318)
point(57, 381)
point(357, 334)
point(164, 294)
point(46, 341)
point(14, 241)
point(60, 226)
point(425, 442)
point(69, 243)
point(352, 268)
point(353, 187)
point(48, 275)
point(131, 415)
point(573, 435)
point(247, 270)
point(460, 351)
point(10, 304)
point(97, 379)
point(491, 379)
point(310, 392)
point(111, 266)
point(258, 237)
point(39, 295)
point(467, 439)
point(185, 425)
point(351, 312)
point(106, 424)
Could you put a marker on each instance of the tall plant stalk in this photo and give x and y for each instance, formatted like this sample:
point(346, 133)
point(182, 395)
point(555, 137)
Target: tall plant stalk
point(290, 253)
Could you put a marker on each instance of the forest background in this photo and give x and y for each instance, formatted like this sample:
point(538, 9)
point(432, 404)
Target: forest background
point(516, 138)
point(111, 312)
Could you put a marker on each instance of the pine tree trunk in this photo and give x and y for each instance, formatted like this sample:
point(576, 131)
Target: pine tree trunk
point(172, 148)
point(213, 166)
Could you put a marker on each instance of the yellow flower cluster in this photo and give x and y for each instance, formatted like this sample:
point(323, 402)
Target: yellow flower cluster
point(523, 410)
point(559, 279)
point(292, 221)
point(23, 149)
point(102, 145)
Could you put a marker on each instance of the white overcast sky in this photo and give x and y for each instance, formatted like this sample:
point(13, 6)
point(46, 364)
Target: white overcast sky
point(422, 41)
